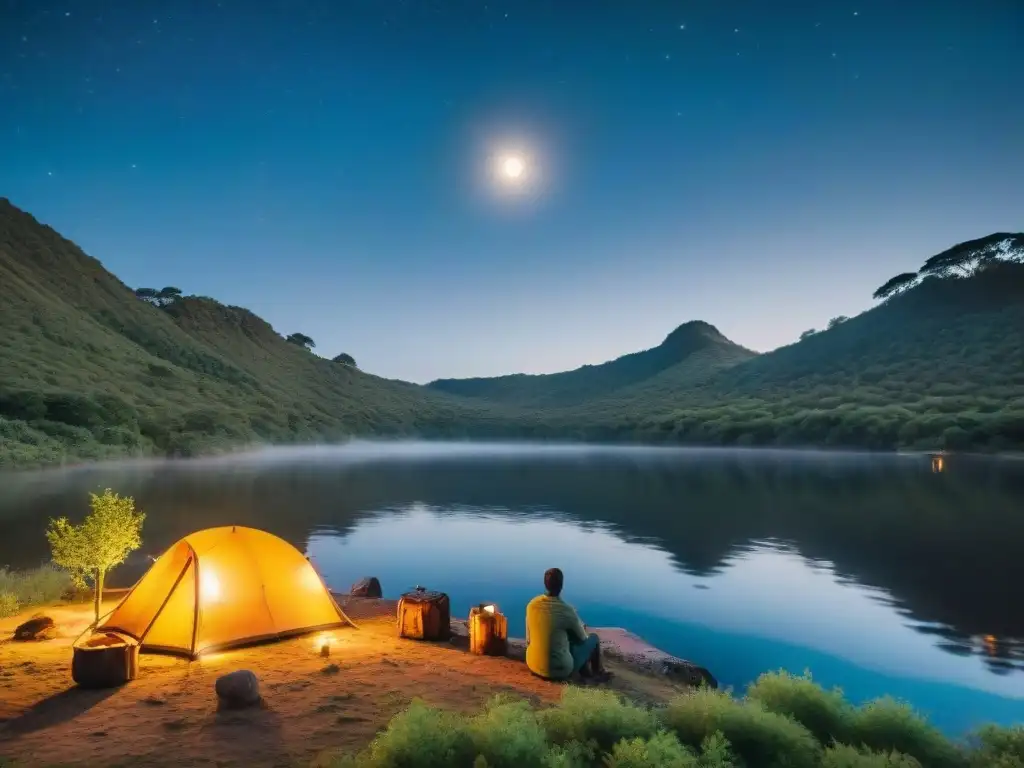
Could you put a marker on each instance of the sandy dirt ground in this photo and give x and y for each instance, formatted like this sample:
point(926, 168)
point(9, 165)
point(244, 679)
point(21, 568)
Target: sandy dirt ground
point(313, 707)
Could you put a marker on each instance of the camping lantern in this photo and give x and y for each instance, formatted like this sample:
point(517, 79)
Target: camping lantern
point(324, 643)
point(488, 630)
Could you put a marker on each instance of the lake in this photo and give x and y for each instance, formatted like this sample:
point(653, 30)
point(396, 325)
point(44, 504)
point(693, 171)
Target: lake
point(876, 573)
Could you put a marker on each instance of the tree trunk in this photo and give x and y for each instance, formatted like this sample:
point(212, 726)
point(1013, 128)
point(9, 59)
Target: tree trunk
point(100, 574)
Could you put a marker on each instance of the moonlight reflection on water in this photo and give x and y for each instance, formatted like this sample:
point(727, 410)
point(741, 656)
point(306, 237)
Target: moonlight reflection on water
point(876, 573)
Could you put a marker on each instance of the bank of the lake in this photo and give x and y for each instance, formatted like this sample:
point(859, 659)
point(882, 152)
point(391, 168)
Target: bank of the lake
point(876, 573)
point(418, 701)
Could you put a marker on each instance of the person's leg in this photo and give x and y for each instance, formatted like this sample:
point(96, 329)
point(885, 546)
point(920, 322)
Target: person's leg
point(583, 655)
point(595, 664)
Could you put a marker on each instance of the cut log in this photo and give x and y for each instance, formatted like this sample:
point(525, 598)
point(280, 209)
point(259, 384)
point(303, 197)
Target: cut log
point(105, 660)
point(488, 631)
point(424, 615)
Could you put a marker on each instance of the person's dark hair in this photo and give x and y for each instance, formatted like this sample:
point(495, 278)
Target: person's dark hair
point(553, 581)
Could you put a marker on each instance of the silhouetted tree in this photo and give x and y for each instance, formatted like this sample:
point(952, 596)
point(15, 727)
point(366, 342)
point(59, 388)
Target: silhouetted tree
point(963, 259)
point(168, 295)
point(301, 340)
point(837, 321)
point(148, 294)
point(161, 298)
point(807, 334)
point(346, 359)
point(896, 285)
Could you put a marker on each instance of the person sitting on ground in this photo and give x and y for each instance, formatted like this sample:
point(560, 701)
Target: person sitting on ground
point(557, 643)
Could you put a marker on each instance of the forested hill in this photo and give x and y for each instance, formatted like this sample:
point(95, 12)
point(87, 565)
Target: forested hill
point(691, 353)
point(937, 364)
point(90, 368)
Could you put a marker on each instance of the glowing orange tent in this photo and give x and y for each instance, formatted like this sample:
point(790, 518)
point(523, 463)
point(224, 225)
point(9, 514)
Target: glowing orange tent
point(224, 587)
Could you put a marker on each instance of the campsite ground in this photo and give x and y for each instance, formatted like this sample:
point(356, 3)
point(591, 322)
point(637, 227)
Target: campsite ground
point(313, 707)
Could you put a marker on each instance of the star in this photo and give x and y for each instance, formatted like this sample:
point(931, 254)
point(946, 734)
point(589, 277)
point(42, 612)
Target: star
point(67, 13)
point(668, 56)
point(133, 165)
point(856, 13)
point(49, 173)
point(682, 26)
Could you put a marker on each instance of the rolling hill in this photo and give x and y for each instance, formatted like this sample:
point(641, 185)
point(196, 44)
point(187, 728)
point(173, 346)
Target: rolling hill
point(692, 353)
point(89, 370)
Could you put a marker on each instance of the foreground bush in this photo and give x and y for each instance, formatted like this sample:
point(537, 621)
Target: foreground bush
point(995, 747)
point(845, 756)
point(826, 714)
point(784, 721)
point(886, 724)
point(758, 737)
point(598, 717)
point(23, 589)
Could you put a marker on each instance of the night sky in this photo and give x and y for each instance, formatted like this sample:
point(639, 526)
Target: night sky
point(330, 164)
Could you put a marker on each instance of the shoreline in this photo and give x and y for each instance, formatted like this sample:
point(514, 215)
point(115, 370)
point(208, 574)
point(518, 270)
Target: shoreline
point(311, 705)
point(319, 450)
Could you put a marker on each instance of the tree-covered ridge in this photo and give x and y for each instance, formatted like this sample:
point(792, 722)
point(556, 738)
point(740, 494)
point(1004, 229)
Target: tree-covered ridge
point(91, 368)
point(692, 352)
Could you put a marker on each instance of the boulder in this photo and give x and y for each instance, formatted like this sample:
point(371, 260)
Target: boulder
point(36, 628)
point(238, 689)
point(368, 587)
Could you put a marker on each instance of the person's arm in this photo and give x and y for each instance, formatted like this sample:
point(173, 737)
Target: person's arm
point(577, 632)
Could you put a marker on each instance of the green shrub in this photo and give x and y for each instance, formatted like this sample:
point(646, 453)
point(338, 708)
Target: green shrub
point(845, 756)
point(570, 755)
point(823, 713)
point(663, 750)
point(591, 715)
point(507, 734)
point(8, 604)
point(758, 737)
point(420, 737)
point(36, 586)
point(996, 747)
point(886, 724)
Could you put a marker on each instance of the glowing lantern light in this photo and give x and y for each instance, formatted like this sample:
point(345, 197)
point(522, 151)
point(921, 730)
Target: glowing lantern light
point(209, 586)
point(323, 644)
point(488, 630)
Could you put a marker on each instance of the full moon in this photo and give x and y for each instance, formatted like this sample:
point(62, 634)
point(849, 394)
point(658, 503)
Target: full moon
point(512, 167)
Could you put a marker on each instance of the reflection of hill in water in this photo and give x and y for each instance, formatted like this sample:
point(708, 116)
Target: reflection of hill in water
point(945, 546)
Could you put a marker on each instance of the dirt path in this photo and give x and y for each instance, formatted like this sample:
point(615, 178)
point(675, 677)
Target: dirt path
point(312, 705)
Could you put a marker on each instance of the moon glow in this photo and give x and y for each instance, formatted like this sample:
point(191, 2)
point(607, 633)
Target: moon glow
point(512, 167)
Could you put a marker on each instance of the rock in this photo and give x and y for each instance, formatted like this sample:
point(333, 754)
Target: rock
point(238, 689)
point(36, 628)
point(368, 587)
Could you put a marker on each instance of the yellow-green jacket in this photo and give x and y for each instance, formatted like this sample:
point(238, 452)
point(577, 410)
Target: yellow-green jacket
point(551, 624)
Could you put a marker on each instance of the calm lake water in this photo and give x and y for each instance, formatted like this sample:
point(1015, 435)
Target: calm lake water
point(873, 572)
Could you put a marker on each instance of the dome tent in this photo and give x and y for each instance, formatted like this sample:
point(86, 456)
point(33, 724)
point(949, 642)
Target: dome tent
point(221, 588)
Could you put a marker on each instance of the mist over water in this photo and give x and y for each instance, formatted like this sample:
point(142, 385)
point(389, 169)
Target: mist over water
point(872, 571)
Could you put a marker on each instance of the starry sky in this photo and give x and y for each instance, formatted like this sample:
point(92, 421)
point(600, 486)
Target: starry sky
point(329, 164)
